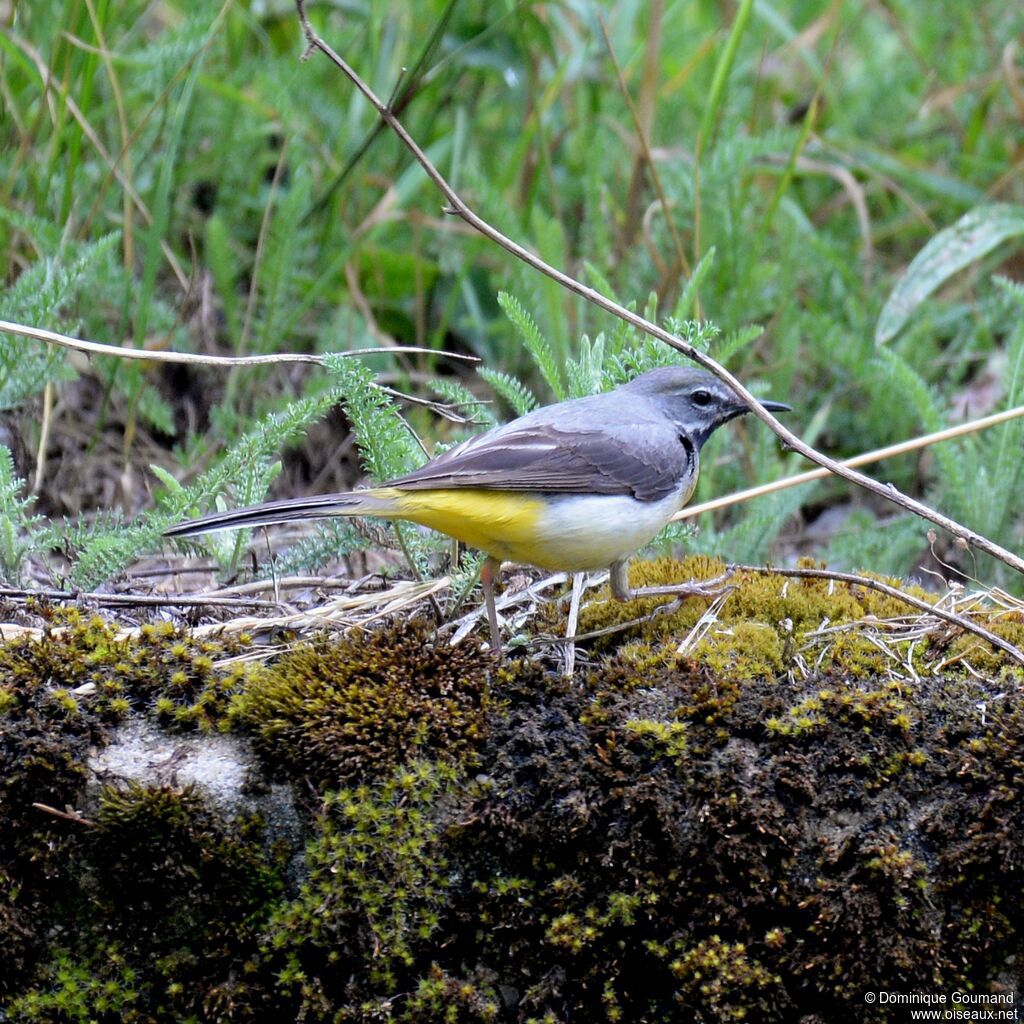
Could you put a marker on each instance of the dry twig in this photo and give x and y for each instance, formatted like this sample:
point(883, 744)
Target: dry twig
point(135, 600)
point(891, 451)
point(197, 359)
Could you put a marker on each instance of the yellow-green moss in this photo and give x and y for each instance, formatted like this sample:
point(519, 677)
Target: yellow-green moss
point(722, 979)
point(378, 879)
point(334, 710)
point(970, 650)
point(751, 835)
point(84, 662)
point(768, 624)
point(665, 739)
point(885, 707)
point(747, 650)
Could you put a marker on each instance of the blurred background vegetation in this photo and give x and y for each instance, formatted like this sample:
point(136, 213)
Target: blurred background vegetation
point(173, 177)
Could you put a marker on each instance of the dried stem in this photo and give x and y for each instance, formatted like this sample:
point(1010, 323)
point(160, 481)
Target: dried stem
point(197, 359)
point(890, 451)
point(133, 600)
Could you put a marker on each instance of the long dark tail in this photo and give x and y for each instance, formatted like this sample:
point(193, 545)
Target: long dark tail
point(350, 503)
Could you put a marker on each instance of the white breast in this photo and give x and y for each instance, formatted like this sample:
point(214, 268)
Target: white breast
point(586, 532)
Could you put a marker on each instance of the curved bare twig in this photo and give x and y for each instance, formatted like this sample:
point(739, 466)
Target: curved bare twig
point(197, 359)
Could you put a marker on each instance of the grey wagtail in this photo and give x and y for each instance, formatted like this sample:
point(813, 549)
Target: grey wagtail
point(580, 485)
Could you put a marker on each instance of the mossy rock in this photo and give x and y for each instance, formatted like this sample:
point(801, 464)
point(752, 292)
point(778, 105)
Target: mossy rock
point(684, 831)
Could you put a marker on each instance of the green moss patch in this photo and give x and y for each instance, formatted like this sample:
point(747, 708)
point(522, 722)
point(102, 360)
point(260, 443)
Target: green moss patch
point(334, 710)
point(766, 625)
point(710, 828)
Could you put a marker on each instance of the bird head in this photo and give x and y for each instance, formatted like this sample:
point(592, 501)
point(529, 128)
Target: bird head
point(695, 400)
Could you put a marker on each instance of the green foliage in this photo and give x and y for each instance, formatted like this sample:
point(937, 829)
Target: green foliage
point(17, 524)
point(513, 390)
point(40, 297)
point(241, 477)
point(535, 343)
point(478, 412)
point(973, 236)
point(387, 446)
point(824, 173)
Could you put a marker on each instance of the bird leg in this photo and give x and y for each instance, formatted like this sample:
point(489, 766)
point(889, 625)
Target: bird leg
point(571, 623)
point(488, 572)
point(618, 580)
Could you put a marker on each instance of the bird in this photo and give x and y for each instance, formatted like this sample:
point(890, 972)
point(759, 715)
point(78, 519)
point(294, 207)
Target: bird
point(576, 486)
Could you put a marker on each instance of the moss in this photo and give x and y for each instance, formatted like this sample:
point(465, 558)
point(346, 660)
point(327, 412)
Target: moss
point(335, 711)
point(720, 980)
point(757, 874)
point(745, 649)
point(883, 707)
point(88, 663)
point(175, 875)
point(378, 882)
point(102, 987)
point(166, 901)
point(721, 833)
point(62, 694)
point(967, 650)
point(667, 739)
point(767, 625)
point(442, 998)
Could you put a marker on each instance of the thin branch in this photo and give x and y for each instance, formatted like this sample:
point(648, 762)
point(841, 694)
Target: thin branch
point(884, 588)
point(69, 815)
point(858, 460)
point(459, 208)
point(196, 359)
point(134, 600)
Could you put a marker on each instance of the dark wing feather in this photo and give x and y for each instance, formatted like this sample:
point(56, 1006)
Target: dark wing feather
point(649, 466)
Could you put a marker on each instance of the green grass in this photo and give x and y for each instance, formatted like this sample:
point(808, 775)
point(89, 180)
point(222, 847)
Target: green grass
point(173, 176)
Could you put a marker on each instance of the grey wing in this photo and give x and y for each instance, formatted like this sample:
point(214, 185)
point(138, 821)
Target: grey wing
point(647, 460)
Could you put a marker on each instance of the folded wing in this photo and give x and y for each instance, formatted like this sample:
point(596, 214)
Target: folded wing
point(579, 460)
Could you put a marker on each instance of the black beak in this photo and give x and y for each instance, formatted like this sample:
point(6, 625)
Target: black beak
point(776, 406)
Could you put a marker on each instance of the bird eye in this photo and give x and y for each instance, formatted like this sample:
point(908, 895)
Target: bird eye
point(701, 398)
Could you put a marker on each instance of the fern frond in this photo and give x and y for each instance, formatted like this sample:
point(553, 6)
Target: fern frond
point(535, 342)
point(684, 307)
point(17, 524)
point(586, 372)
point(905, 381)
point(517, 394)
point(38, 297)
point(387, 445)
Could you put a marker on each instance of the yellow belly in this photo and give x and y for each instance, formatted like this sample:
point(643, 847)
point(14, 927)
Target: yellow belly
point(503, 524)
